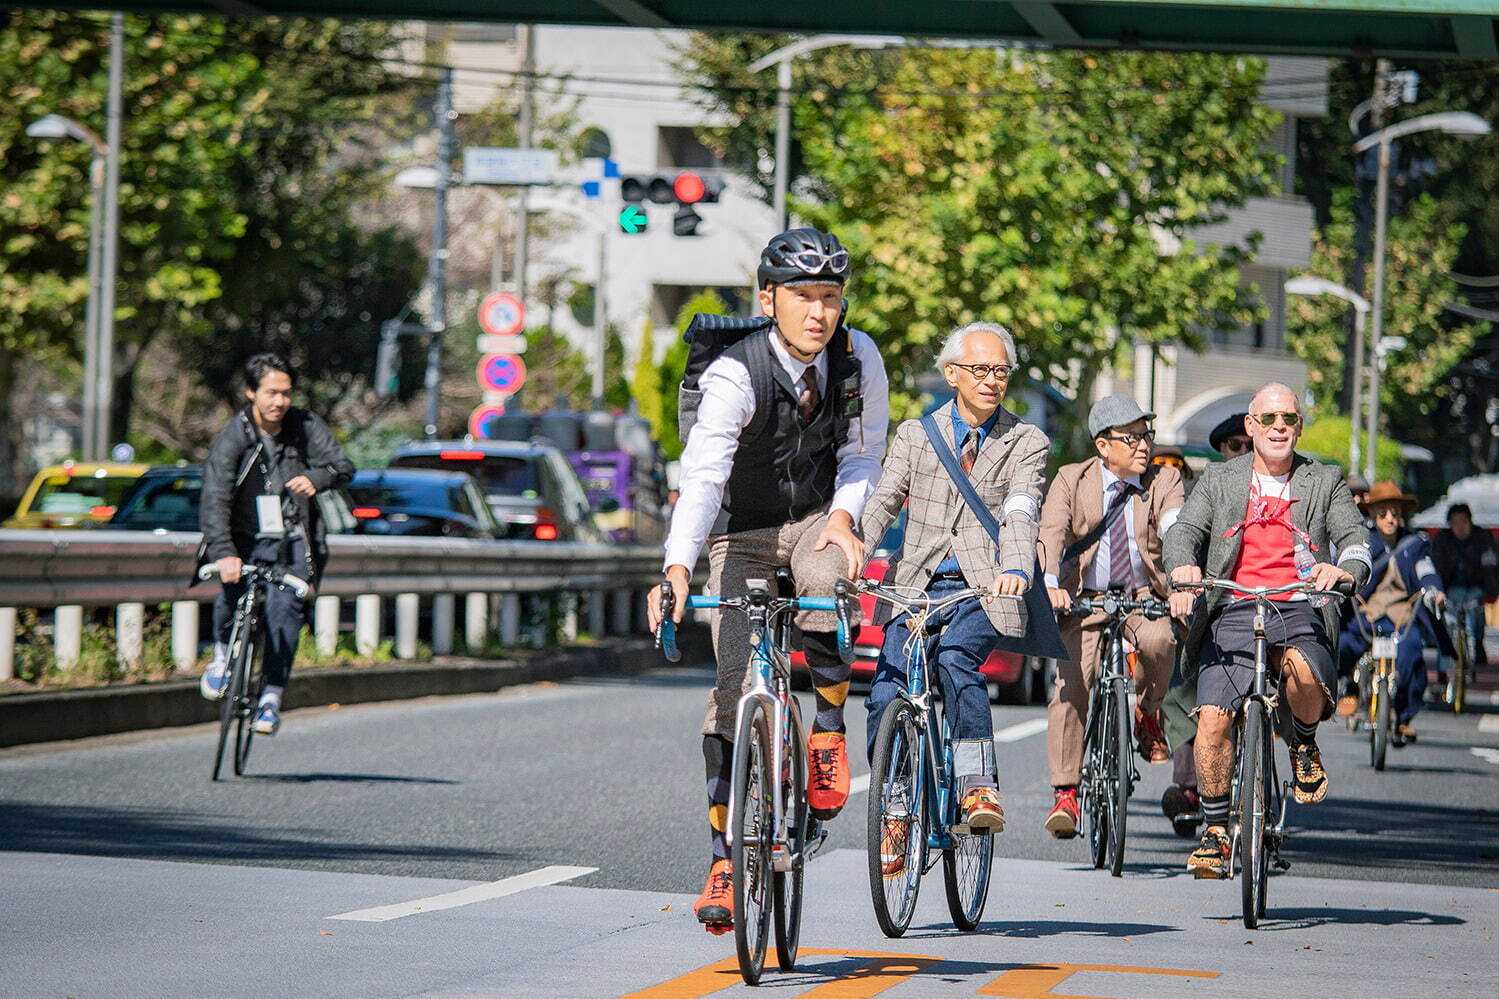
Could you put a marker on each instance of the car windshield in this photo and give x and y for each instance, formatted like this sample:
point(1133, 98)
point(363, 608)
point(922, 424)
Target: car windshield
point(162, 501)
point(79, 494)
point(384, 493)
point(497, 474)
point(894, 537)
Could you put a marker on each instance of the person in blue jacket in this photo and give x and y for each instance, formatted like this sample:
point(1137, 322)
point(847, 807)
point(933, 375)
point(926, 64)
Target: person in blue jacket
point(1402, 568)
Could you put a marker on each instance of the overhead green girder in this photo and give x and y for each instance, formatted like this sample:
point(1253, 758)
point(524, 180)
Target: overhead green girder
point(1436, 29)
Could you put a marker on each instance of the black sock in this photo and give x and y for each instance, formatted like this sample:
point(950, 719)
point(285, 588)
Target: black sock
point(1215, 809)
point(829, 679)
point(718, 756)
point(1306, 732)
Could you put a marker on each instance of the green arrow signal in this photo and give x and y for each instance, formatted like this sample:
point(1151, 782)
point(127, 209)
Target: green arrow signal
point(633, 220)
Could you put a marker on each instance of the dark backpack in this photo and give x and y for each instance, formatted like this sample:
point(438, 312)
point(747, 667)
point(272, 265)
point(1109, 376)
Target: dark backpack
point(708, 336)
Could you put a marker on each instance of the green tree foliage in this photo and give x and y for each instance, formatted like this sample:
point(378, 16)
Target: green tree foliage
point(647, 387)
point(1327, 437)
point(1422, 244)
point(1055, 192)
point(237, 225)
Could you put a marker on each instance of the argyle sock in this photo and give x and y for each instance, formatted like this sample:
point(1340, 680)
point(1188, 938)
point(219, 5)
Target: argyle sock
point(718, 756)
point(829, 679)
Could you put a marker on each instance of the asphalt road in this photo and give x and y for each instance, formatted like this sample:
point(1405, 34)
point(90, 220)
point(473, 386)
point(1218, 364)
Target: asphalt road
point(599, 783)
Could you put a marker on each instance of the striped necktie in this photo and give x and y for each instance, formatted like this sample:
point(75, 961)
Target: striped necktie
point(970, 450)
point(1121, 566)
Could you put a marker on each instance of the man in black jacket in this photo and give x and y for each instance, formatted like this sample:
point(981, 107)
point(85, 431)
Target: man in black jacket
point(258, 483)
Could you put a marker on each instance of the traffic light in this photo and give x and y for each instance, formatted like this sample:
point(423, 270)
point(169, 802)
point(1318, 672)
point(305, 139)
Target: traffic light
point(685, 189)
point(387, 366)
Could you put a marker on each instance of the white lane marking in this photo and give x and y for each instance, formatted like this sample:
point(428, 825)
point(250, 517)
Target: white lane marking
point(1484, 753)
point(1024, 730)
point(468, 896)
point(1488, 723)
point(859, 783)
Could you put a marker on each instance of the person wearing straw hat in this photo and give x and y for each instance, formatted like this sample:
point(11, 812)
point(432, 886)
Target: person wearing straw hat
point(1402, 567)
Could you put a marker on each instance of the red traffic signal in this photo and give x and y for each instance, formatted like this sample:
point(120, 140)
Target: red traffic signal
point(689, 188)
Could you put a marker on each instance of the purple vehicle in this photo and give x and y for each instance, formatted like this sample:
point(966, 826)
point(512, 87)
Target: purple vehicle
point(625, 496)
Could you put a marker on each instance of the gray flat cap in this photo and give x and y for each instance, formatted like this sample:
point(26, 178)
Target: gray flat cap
point(1114, 411)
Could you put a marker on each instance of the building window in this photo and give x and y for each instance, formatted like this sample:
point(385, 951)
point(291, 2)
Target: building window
point(478, 31)
point(678, 147)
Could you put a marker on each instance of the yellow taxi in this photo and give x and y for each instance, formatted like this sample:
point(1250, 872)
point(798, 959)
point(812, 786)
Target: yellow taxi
point(74, 494)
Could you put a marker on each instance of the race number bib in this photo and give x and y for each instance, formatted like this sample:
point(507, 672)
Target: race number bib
point(268, 510)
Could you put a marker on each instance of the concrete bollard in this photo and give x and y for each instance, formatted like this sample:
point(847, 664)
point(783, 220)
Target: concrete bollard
point(325, 625)
point(475, 621)
point(185, 635)
point(442, 624)
point(596, 608)
point(408, 608)
point(567, 616)
point(7, 642)
point(510, 619)
point(130, 635)
point(621, 611)
point(367, 623)
point(67, 635)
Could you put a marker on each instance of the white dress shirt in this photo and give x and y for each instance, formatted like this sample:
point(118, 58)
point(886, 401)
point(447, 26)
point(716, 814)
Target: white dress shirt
point(1099, 577)
point(726, 408)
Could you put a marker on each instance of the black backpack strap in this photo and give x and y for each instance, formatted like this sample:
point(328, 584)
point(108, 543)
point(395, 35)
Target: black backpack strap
point(761, 366)
point(1114, 512)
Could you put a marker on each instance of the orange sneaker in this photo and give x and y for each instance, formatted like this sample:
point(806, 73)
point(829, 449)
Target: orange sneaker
point(1065, 814)
point(715, 906)
point(829, 759)
point(982, 812)
point(893, 846)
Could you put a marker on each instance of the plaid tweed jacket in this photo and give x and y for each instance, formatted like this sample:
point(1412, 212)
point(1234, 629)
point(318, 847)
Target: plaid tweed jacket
point(1007, 475)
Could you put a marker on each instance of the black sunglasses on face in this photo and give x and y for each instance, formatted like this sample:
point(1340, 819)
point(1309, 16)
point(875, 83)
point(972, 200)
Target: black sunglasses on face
point(1268, 419)
point(1238, 444)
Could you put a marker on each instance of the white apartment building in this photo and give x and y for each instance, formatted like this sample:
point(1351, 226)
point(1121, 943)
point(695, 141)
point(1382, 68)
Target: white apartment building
point(624, 86)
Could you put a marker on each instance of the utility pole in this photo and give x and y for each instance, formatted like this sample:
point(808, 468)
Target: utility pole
point(104, 319)
point(1381, 210)
point(437, 273)
point(526, 128)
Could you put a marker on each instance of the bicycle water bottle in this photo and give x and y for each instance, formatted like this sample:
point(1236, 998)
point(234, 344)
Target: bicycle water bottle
point(1304, 562)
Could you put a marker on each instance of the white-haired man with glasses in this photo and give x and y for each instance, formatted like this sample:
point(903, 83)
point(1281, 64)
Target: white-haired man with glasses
point(1101, 529)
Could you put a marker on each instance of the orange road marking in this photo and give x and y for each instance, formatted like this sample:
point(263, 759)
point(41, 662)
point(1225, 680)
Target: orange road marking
point(881, 972)
point(1034, 981)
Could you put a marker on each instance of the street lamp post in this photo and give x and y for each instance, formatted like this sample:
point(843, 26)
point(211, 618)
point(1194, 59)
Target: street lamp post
point(1320, 286)
point(1459, 123)
point(781, 58)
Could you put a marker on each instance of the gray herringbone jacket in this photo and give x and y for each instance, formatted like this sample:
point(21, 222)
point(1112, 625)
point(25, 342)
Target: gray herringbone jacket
point(1323, 508)
point(1007, 475)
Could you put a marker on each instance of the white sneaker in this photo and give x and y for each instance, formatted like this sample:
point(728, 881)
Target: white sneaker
point(215, 680)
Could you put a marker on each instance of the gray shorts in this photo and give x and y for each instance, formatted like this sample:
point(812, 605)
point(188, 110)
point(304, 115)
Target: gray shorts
point(1225, 675)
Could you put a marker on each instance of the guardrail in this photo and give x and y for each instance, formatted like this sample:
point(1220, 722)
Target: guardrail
point(68, 571)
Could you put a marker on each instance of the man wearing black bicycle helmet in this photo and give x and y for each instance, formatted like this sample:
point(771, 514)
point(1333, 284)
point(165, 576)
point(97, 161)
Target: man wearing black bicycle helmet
point(784, 419)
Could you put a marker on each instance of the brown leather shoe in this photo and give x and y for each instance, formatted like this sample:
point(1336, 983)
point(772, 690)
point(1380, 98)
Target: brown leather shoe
point(1406, 732)
point(1150, 738)
point(982, 812)
point(893, 846)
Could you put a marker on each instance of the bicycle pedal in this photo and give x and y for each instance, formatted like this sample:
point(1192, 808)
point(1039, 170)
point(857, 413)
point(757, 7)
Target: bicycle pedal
point(1282, 865)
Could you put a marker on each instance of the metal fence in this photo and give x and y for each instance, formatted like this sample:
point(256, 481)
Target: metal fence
point(67, 572)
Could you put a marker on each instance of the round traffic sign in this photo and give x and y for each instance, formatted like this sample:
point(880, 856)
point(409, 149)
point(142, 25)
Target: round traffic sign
point(501, 372)
point(481, 421)
point(501, 314)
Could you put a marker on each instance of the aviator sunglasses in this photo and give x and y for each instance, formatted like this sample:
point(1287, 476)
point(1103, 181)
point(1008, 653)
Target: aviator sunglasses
point(1268, 419)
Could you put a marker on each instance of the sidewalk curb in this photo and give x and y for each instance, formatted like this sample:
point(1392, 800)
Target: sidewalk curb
point(50, 716)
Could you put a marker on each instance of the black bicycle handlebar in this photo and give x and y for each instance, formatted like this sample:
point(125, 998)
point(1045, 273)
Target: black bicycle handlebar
point(1117, 604)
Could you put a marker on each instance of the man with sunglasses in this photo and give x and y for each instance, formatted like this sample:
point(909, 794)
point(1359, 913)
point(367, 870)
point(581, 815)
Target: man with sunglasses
point(1101, 528)
point(783, 452)
point(1252, 519)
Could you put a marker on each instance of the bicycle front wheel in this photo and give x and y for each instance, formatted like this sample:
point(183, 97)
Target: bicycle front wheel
point(966, 866)
point(1380, 710)
point(1459, 680)
point(749, 853)
point(788, 884)
point(229, 704)
point(254, 654)
point(1119, 774)
point(1254, 860)
point(1093, 784)
point(897, 828)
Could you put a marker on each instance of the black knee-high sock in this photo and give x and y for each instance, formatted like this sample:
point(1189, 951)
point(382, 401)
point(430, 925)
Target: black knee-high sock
point(1306, 732)
point(829, 679)
point(718, 756)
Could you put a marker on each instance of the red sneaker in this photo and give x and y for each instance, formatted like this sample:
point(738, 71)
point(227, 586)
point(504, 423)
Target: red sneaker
point(829, 759)
point(1065, 814)
point(715, 906)
point(1150, 738)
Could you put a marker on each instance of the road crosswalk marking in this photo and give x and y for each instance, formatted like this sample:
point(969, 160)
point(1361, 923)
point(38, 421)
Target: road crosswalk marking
point(1484, 753)
point(467, 896)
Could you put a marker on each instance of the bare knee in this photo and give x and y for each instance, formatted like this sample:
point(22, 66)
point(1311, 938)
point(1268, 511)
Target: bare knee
point(1213, 724)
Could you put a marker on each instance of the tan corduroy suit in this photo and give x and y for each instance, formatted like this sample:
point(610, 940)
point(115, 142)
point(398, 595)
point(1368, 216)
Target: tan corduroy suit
point(1075, 506)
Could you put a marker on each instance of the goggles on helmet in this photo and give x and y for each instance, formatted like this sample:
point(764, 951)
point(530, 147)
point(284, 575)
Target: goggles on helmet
point(815, 261)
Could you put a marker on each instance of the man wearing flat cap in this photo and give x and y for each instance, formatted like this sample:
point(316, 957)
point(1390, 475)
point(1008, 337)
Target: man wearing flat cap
point(1101, 528)
point(1399, 597)
point(1229, 438)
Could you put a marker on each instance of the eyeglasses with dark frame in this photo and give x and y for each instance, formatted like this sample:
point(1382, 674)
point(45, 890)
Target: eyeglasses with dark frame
point(1291, 420)
point(982, 371)
point(1131, 440)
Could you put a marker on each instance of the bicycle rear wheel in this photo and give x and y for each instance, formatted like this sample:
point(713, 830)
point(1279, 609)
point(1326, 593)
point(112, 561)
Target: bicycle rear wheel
point(1379, 710)
point(1119, 773)
point(1254, 859)
point(966, 867)
point(245, 730)
point(896, 808)
point(749, 853)
point(787, 885)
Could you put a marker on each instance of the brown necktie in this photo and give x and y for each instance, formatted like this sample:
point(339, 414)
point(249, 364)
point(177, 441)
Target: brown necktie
point(810, 399)
point(970, 450)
